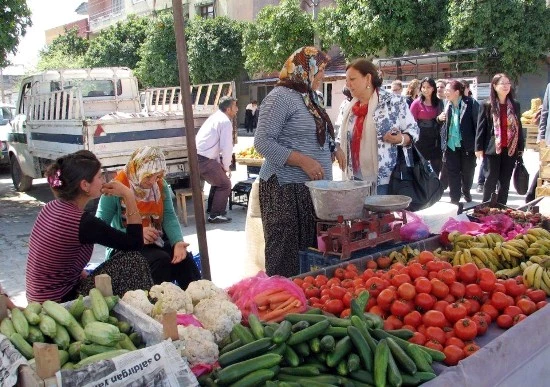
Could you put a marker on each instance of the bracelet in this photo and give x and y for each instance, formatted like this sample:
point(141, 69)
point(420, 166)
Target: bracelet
point(402, 143)
point(132, 213)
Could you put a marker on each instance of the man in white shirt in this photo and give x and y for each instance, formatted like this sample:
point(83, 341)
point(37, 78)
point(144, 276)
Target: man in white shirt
point(214, 149)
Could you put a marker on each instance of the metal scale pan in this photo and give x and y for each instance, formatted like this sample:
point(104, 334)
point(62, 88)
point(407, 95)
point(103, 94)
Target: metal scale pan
point(386, 203)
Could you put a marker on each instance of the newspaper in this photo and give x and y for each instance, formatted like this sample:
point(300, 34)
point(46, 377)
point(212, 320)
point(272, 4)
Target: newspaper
point(158, 365)
point(10, 360)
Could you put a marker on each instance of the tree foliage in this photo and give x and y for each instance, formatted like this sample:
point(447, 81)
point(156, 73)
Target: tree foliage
point(118, 45)
point(516, 34)
point(214, 49)
point(66, 51)
point(16, 17)
point(367, 27)
point(277, 33)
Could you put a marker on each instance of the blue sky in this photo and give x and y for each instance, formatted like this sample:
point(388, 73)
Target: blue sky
point(45, 15)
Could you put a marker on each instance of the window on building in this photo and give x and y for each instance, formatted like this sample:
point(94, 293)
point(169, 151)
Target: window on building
point(327, 94)
point(207, 11)
point(118, 6)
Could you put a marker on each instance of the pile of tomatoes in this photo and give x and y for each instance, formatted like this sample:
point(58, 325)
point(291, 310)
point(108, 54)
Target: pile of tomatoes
point(446, 307)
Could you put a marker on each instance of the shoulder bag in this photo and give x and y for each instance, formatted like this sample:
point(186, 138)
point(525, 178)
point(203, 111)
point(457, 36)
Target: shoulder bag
point(520, 177)
point(418, 181)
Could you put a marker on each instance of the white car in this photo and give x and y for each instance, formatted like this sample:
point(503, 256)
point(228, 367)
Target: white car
point(7, 112)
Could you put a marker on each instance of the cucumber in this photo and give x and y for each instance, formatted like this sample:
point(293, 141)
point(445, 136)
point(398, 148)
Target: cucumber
point(314, 311)
point(315, 345)
point(244, 352)
point(309, 333)
point(343, 347)
point(404, 344)
point(376, 320)
point(381, 359)
point(300, 325)
point(321, 366)
point(339, 322)
point(425, 376)
point(353, 362)
point(418, 357)
point(269, 331)
point(231, 346)
point(342, 367)
point(393, 375)
point(283, 332)
point(337, 332)
point(404, 334)
point(302, 349)
point(360, 325)
point(303, 370)
point(278, 349)
point(256, 326)
point(237, 371)
point(243, 333)
point(362, 376)
point(255, 378)
point(310, 318)
point(327, 343)
point(401, 358)
point(362, 348)
point(410, 380)
point(291, 357)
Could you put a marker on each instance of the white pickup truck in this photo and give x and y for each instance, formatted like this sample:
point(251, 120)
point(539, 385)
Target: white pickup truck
point(101, 110)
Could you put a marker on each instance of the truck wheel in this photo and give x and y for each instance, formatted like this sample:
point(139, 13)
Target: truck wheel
point(21, 182)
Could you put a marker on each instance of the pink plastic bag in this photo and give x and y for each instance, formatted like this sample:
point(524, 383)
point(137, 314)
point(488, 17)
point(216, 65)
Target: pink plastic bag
point(187, 319)
point(415, 229)
point(462, 226)
point(252, 295)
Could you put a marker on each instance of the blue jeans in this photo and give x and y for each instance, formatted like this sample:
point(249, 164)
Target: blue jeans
point(382, 189)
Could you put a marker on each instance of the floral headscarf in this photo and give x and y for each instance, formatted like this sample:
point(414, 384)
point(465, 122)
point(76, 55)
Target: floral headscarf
point(145, 162)
point(298, 73)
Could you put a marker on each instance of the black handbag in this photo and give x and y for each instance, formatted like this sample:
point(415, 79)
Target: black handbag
point(419, 181)
point(520, 177)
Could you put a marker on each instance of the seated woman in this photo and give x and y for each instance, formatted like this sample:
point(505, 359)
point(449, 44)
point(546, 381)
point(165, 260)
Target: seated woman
point(164, 247)
point(63, 236)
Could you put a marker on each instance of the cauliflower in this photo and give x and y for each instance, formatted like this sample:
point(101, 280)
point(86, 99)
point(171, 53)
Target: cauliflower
point(138, 299)
point(202, 289)
point(218, 316)
point(200, 347)
point(170, 297)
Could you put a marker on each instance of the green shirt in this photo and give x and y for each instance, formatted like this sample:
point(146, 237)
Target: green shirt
point(455, 138)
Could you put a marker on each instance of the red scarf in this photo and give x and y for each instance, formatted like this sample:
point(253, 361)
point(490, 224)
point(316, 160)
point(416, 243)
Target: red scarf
point(360, 112)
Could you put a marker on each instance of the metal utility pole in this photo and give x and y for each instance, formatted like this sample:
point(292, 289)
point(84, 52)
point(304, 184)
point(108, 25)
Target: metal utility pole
point(315, 5)
point(2, 84)
point(183, 66)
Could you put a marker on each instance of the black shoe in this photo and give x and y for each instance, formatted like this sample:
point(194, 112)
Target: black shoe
point(455, 202)
point(468, 197)
point(219, 219)
point(479, 188)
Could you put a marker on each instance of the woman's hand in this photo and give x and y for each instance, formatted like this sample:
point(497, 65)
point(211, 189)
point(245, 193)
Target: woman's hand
point(340, 157)
point(180, 252)
point(115, 188)
point(150, 235)
point(442, 117)
point(479, 154)
point(312, 168)
point(395, 137)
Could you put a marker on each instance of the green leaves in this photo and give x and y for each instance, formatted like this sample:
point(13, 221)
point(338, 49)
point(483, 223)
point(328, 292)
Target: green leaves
point(66, 51)
point(16, 17)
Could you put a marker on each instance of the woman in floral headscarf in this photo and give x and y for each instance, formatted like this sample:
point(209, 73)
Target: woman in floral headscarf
point(296, 138)
point(164, 247)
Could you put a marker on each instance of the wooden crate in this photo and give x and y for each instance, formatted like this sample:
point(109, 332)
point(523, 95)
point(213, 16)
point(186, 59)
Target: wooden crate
point(543, 187)
point(250, 162)
point(531, 137)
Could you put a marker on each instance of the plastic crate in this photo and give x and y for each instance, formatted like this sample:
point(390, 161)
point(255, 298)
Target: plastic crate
point(197, 259)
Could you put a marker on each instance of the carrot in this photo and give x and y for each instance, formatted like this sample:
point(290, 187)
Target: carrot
point(281, 296)
point(282, 304)
point(263, 298)
point(280, 317)
point(282, 311)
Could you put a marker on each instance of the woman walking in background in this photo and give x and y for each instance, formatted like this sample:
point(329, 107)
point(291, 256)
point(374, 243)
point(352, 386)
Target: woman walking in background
point(413, 88)
point(499, 137)
point(425, 111)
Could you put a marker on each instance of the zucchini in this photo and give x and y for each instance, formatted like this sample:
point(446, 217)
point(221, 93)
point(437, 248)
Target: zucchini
point(255, 378)
point(342, 348)
point(68, 366)
point(126, 343)
point(63, 357)
point(34, 307)
point(6, 327)
point(47, 325)
point(112, 320)
point(87, 317)
point(77, 307)
point(99, 305)
point(243, 333)
point(20, 322)
point(100, 356)
point(291, 357)
point(103, 333)
point(327, 343)
point(32, 318)
point(35, 335)
point(237, 371)
point(57, 312)
point(303, 370)
point(362, 348)
point(22, 345)
point(309, 333)
point(94, 349)
point(283, 332)
point(76, 331)
point(136, 338)
point(111, 301)
point(74, 350)
point(393, 376)
point(125, 327)
point(256, 326)
point(244, 352)
point(61, 338)
point(401, 357)
point(381, 359)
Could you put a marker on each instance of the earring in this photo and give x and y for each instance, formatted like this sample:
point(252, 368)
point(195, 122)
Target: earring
point(369, 87)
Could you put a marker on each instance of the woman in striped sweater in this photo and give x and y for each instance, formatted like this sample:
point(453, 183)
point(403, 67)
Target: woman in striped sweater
point(63, 236)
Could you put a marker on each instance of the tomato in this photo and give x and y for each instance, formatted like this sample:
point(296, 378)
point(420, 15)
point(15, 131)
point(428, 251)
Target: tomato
point(337, 292)
point(333, 281)
point(519, 318)
point(485, 316)
point(448, 276)
point(312, 291)
point(468, 273)
point(313, 300)
point(434, 344)
point(422, 329)
point(465, 329)
point(416, 270)
point(409, 327)
point(422, 285)
point(418, 338)
point(350, 274)
point(512, 310)
point(324, 298)
point(371, 264)
point(536, 295)
point(473, 291)
point(435, 266)
point(340, 273)
point(449, 298)
point(455, 341)
point(334, 306)
point(457, 289)
point(499, 287)
point(298, 281)
point(527, 306)
point(425, 256)
point(347, 283)
point(325, 292)
point(481, 324)
point(434, 318)
point(399, 279)
point(541, 304)
point(397, 266)
point(345, 313)
point(470, 349)
point(377, 310)
point(439, 288)
point(453, 354)
point(406, 291)
point(490, 310)
point(352, 267)
point(505, 321)
point(400, 308)
point(500, 300)
point(395, 321)
point(440, 306)
point(384, 262)
point(309, 279)
point(413, 318)
point(424, 301)
point(368, 273)
point(486, 279)
point(388, 326)
point(320, 280)
point(347, 299)
point(374, 285)
point(514, 288)
point(436, 333)
point(386, 298)
point(454, 312)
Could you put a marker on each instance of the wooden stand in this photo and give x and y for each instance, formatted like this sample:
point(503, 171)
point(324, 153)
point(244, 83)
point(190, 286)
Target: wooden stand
point(543, 182)
point(170, 325)
point(103, 283)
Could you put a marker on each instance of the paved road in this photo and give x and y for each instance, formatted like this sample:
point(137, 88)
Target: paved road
point(226, 243)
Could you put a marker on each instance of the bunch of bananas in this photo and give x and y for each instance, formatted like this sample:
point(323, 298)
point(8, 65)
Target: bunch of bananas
point(537, 275)
point(403, 255)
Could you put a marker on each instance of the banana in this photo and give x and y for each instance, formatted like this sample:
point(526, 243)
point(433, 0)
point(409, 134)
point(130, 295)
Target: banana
point(467, 256)
point(513, 252)
point(452, 236)
point(523, 266)
point(497, 249)
point(538, 277)
point(483, 239)
point(505, 253)
point(545, 287)
point(536, 258)
point(528, 238)
point(478, 262)
point(529, 275)
point(546, 279)
point(462, 259)
point(545, 262)
point(456, 259)
point(463, 238)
